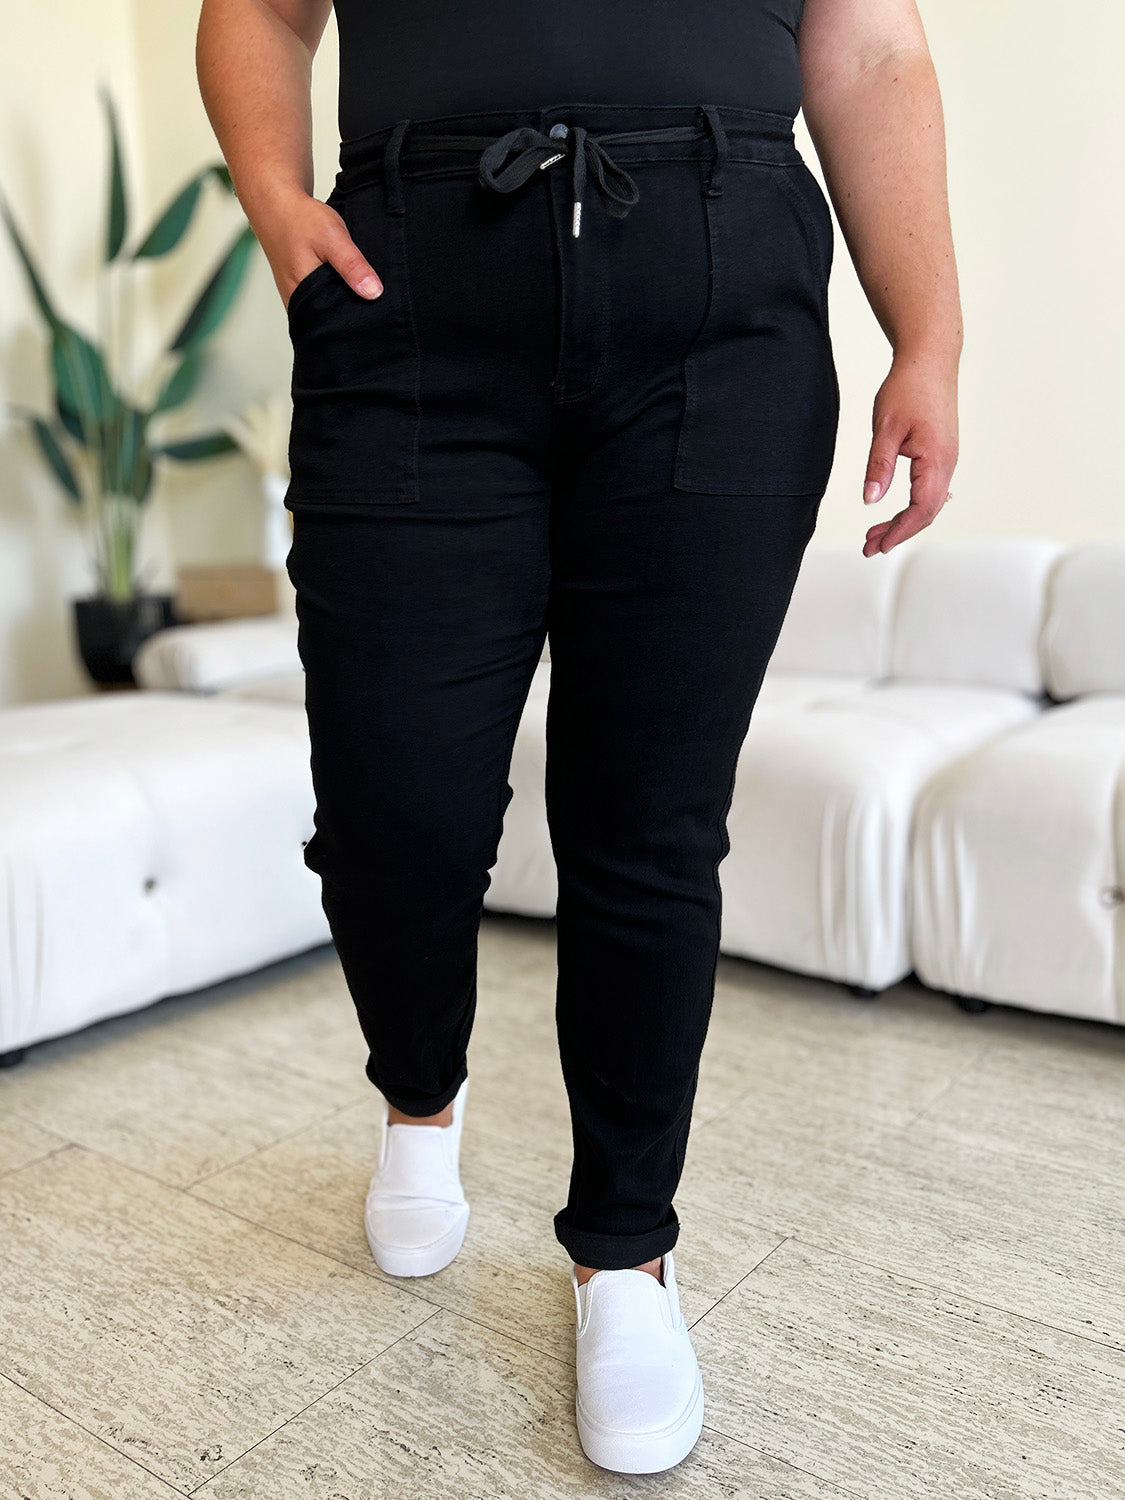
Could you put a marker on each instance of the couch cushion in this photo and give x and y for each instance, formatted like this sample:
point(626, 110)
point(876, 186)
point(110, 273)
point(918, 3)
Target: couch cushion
point(816, 877)
point(279, 687)
point(1018, 865)
point(839, 616)
point(783, 692)
point(1084, 632)
point(150, 843)
point(973, 612)
point(213, 654)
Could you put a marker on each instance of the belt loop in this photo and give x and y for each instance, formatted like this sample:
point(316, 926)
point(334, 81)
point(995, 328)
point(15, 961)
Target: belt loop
point(719, 135)
point(392, 175)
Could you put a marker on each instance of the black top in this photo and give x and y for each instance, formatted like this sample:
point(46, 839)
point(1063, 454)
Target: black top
point(413, 59)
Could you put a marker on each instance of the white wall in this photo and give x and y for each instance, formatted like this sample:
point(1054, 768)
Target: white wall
point(1034, 119)
point(52, 157)
point(1035, 125)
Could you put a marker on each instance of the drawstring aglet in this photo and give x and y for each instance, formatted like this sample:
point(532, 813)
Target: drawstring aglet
point(576, 223)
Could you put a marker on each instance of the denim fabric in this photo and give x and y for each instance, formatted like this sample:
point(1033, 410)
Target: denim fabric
point(619, 440)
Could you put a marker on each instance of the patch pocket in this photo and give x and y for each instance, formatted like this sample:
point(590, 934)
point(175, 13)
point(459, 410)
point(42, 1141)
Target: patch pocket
point(761, 396)
point(310, 279)
point(356, 373)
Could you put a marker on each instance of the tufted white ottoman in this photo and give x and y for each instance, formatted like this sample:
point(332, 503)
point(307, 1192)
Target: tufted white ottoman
point(150, 843)
point(1018, 858)
point(1019, 849)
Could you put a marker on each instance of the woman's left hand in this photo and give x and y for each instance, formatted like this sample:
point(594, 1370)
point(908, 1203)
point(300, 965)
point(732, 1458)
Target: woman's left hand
point(915, 415)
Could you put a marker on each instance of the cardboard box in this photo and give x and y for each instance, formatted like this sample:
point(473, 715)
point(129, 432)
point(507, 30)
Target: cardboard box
point(231, 591)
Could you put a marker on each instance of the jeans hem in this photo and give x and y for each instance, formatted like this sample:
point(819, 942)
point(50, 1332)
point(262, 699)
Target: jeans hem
point(614, 1252)
point(431, 1104)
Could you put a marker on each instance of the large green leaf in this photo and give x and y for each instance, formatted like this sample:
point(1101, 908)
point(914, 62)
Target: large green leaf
point(39, 291)
point(190, 450)
point(53, 452)
point(85, 395)
point(124, 454)
point(181, 383)
point(217, 297)
point(173, 221)
point(118, 213)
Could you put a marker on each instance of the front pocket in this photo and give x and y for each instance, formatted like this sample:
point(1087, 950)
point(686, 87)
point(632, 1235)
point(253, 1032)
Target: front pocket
point(307, 281)
point(356, 373)
point(761, 396)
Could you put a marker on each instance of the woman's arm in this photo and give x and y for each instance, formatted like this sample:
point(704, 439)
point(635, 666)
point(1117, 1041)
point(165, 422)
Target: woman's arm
point(873, 110)
point(254, 64)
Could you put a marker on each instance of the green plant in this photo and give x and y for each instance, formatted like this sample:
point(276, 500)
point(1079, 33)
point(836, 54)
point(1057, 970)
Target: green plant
point(99, 440)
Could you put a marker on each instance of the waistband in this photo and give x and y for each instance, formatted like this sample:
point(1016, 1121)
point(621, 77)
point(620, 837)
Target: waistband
point(505, 148)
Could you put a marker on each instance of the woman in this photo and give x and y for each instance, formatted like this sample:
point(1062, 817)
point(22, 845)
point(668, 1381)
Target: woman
point(562, 364)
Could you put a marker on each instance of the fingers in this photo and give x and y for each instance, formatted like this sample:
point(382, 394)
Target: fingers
point(356, 271)
point(335, 246)
point(932, 460)
point(888, 534)
point(345, 255)
point(885, 448)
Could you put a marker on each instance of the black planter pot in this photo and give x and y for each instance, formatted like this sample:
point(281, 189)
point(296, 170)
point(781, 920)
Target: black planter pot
point(110, 632)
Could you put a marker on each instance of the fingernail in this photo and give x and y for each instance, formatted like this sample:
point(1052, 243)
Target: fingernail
point(370, 286)
point(870, 491)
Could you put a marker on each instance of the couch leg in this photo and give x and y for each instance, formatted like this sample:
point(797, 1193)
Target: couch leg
point(971, 1005)
point(13, 1058)
point(861, 992)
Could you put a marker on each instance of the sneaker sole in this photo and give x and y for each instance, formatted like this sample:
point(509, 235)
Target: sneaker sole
point(419, 1260)
point(646, 1452)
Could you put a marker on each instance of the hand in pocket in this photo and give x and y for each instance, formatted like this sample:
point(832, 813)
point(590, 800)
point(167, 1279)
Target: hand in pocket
point(306, 236)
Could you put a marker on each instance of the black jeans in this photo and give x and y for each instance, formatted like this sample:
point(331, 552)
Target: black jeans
point(619, 439)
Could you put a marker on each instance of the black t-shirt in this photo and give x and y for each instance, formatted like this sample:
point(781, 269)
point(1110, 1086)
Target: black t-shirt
point(414, 59)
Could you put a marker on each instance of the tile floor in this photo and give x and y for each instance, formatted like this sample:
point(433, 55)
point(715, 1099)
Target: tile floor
point(902, 1254)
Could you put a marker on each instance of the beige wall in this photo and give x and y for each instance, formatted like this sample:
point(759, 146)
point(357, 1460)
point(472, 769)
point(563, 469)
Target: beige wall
point(52, 150)
point(1034, 119)
point(1035, 124)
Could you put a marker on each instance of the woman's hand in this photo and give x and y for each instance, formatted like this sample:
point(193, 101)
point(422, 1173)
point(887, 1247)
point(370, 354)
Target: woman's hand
point(299, 233)
point(915, 415)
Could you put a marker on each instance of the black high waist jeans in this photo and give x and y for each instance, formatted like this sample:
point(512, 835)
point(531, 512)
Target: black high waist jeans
point(618, 440)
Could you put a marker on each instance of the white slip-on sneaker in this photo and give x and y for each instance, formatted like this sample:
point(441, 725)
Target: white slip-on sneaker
point(416, 1212)
point(640, 1389)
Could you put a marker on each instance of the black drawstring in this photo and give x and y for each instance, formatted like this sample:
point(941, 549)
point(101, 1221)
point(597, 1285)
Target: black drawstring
point(507, 162)
point(534, 151)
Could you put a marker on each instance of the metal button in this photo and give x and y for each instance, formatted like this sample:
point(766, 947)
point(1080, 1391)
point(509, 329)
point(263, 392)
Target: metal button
point(559, 132)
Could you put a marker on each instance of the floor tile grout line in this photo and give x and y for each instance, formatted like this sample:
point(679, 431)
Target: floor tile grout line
point(936, 1286)
point(384, 1280)
point(316, 1250)
point(178, 1186)
point(731, 1437)
point(984, 1049)
point(181, 1187)
point(374, 1360)
point(276, 1234)
point(755, 1267)
point(81, 1426)
point(36, 1160)
point(794, 1237)
point(879, 1130)
point(503, 1333)
point(290, 1135)
point(310, 1404)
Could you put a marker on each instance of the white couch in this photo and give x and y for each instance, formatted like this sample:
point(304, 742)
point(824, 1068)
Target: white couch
point(150, 844)
point(914, 794)
point(1018, 858)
